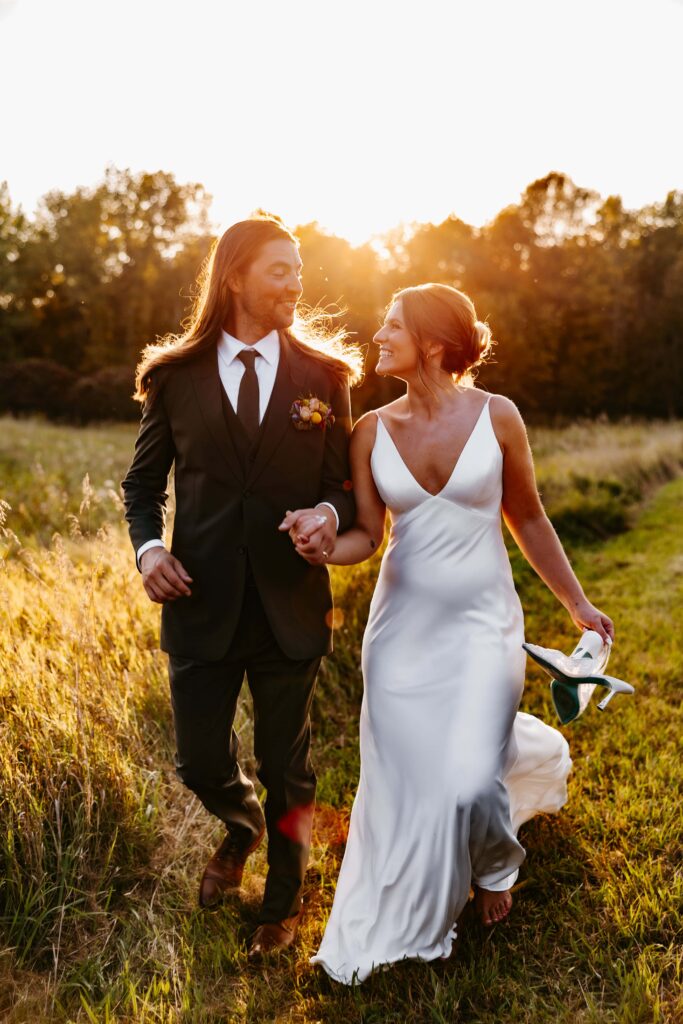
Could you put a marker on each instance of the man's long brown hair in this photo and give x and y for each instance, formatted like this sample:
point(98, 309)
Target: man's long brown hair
point(233, 253)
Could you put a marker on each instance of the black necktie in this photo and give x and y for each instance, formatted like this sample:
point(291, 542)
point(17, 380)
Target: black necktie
point(248, 397)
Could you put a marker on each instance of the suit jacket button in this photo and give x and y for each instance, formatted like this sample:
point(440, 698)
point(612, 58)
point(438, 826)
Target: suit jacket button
point(247, 494)
point(241, 550)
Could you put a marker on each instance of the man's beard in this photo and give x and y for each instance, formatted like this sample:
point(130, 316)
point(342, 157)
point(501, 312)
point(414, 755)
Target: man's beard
point(271, 316)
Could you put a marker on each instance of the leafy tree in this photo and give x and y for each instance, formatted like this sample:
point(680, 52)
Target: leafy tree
point(102, 270)
point(584, 296)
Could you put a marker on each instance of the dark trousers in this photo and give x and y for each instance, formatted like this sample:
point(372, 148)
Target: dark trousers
point(204, 696)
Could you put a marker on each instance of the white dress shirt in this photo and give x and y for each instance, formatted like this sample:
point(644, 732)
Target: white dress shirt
point(230, 370)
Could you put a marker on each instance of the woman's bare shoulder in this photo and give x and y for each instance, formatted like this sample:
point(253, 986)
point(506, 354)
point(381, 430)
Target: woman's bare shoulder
point(364, 432)
point(507, 422)
point(504, 411)
point(367, 423)
point(365, 427)
point(392, 410)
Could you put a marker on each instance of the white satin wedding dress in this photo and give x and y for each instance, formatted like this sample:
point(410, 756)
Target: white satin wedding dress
point(449, 769)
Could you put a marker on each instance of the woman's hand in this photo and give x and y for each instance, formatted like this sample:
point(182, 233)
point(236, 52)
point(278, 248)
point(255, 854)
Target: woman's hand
point(312, 532)
point(318, 543)
point(586, 616)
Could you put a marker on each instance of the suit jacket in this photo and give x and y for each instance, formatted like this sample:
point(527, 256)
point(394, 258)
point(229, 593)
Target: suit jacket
point(230, 499)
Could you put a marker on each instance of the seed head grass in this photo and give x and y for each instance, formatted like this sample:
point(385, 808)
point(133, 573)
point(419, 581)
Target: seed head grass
point(101, 848)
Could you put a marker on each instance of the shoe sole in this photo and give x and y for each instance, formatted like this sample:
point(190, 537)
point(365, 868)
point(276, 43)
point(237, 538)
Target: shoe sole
point(557, 673)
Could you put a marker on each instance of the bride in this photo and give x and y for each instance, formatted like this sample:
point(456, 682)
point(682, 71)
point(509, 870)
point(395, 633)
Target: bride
point(449, 768)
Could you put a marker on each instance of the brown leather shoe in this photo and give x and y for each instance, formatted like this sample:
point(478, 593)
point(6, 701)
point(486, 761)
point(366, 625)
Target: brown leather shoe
point(273, 938)
point(223, 873)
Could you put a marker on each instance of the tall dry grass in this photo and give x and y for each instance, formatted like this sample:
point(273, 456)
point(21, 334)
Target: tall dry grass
point(101, 847)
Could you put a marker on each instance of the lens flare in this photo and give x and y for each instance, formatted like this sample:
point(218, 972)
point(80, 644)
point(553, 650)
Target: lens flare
point(296, 824)
point(334, 618)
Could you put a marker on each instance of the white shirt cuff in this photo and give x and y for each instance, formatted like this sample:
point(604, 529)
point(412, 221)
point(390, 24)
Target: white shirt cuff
point(329, 505)
point(145, 547)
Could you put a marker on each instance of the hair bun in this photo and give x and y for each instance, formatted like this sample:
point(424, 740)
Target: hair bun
point(481, 339)
point(440, 314)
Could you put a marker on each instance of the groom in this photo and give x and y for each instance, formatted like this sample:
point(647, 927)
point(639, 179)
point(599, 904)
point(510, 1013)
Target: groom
point(237, 598)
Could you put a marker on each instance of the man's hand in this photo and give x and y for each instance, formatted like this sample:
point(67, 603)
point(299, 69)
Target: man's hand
point(163, 576)
point(313, 532)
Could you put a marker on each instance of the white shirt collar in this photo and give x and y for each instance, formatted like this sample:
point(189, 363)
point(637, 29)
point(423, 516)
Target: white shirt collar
point(230, 347)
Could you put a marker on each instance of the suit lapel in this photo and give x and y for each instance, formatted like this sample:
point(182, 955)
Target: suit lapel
point(208, 389)
point(290, 383)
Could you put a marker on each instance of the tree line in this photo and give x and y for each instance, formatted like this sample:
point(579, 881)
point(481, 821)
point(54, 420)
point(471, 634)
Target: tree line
point(585, 297)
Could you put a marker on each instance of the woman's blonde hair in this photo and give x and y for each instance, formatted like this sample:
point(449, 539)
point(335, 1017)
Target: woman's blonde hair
point(442, 314)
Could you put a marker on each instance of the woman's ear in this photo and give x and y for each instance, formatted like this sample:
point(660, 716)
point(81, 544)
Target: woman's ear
point(435, 352)
point(235, 282)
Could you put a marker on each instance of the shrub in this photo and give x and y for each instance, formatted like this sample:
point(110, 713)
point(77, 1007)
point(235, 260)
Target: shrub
point(106, 395)
point(43, 386)
point(35, 385)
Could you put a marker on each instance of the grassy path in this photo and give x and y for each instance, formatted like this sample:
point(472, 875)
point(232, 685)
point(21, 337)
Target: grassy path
point(102, 925)
point(593, 935)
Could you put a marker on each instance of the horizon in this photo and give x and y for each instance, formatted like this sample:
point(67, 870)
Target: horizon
point(373, 240)
point(383, 119)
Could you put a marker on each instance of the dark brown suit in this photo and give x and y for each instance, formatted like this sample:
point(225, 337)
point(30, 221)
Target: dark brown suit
point(256, 606)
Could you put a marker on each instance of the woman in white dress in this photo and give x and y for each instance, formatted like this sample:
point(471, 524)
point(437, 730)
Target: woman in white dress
point(449, 768)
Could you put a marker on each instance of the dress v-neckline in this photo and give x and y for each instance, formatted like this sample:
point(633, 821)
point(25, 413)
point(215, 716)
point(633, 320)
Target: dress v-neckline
point(457, 461)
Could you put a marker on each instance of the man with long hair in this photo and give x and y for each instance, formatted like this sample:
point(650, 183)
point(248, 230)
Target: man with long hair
point(256, 420)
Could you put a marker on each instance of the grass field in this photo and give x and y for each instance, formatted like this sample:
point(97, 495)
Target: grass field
point(101, 848)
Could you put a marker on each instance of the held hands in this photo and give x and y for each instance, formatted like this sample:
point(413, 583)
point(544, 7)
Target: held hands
point(163, 576)
point(313, 532)
point(586, 616)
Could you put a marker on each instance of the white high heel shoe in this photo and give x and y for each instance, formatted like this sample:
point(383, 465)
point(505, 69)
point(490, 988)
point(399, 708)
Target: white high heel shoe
point(575, 676)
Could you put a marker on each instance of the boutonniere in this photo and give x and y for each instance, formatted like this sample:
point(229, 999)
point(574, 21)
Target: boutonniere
point(311, 414)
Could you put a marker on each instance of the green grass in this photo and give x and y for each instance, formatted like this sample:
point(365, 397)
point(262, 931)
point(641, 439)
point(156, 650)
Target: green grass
point(47, 472)
point(101, 848)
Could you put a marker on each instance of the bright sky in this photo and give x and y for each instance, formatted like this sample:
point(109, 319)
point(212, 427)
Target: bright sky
point(359, 114)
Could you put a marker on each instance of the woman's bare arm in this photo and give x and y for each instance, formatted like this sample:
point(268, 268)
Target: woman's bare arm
point(529, 525)
point(367, 532)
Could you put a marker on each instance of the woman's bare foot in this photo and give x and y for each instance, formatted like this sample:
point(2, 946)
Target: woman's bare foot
point(492, 906)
